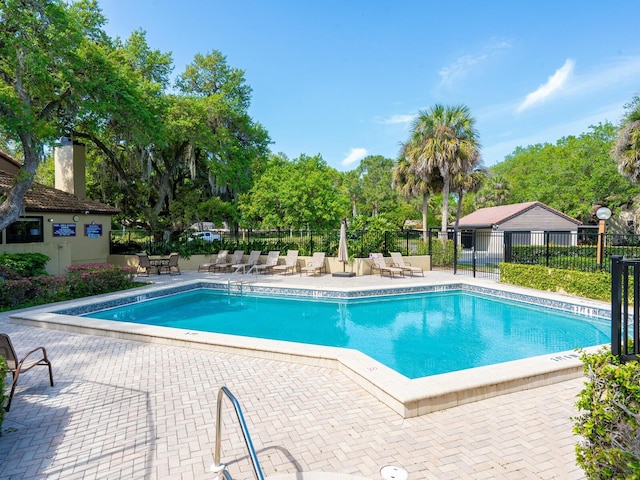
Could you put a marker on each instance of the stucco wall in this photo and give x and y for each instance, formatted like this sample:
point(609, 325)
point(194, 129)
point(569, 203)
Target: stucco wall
point(64, 251)
point(361, 266)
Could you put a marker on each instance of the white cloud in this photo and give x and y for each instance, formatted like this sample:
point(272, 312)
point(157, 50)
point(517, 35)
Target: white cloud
point(355, 155)
point(459, 68)
point(615, 72)
point(554, 84)
point(465, 63)
point(399, 119)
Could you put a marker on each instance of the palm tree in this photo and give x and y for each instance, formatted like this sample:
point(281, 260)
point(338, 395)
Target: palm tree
point(495, 190)
point(409, 183)
point(444, 138)
point(467, 183)
point(626, 149)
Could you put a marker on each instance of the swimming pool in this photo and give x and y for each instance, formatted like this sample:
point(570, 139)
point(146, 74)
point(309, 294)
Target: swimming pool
point(416, 335)
point(408, 397)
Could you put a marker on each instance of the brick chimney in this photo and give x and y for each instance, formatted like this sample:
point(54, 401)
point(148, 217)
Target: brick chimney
point(70, 162)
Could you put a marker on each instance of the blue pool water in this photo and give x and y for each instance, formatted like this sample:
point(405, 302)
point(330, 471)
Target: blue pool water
point(417, 335)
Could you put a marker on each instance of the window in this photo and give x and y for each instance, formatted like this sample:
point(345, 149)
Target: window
point(25, 230)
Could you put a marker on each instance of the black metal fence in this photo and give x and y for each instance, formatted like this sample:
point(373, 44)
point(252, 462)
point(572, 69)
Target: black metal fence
point(361, 243)
point(480, 251)
point(625, 324)
point(475, 252)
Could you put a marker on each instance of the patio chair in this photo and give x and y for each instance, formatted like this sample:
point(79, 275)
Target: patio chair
point(290, 263)
point(267, 267)
point(235, 260)
point(316, 265)
point(221, 258)
point(381, 266)
point(144, 265)
point(254, 257)
point(172, 267)
point(399, 262)
point(16, 367)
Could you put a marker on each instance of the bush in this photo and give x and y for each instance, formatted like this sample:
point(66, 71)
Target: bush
point(594, 285)
point(81, 281)
point(25, 264)
point(93, 279)
point(442, 256)
point(609, 422)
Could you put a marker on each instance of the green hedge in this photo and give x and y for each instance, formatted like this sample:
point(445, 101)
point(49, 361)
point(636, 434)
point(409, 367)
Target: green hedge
point(25, 264)
point(80, 281)
point(442, 256)
point(609, 418)
point(594, 285)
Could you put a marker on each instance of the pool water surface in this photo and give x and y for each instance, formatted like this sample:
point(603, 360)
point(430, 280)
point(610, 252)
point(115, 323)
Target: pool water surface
point(416, 335)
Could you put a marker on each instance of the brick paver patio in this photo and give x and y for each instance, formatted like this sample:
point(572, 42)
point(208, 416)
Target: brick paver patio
point(124, 409)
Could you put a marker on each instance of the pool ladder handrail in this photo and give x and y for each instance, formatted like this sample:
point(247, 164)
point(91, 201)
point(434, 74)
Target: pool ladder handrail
point(220, 468)
point(239, 286)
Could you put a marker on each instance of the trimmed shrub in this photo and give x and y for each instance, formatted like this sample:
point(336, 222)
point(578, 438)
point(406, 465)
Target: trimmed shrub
point(81, 281)
point(594, 285)
point(25, 264)
point(610, 418)
point(442, 256)
point(93, 279)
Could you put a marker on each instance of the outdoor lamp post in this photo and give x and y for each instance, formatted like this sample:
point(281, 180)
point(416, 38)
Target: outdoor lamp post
point(603, 215)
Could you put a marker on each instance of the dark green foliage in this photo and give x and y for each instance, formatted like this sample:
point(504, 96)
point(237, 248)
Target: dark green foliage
point(25, 264)
point(442, 256)
point(596, 285)
point(609, 418)
point(571, 176)
point(81, 281)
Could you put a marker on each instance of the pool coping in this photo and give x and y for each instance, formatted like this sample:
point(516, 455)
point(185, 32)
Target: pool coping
point(407, 397)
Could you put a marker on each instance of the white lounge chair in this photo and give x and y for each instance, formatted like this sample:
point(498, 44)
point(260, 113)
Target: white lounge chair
point(290, 263)
point(316, 265)
point(220, 259)
point(235, 260)
point(399, 262)
point(380, 264)
point(254, 257)
point(267, 267)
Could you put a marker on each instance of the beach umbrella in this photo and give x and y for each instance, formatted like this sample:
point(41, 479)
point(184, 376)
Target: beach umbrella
point(343, 252)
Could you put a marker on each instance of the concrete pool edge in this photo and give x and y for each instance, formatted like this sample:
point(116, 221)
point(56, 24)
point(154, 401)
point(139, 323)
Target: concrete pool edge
point(407, 397)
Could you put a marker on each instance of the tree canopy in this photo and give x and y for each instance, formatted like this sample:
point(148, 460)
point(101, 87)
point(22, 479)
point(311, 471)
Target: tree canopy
point(443, 139)
point(55, 65)
point(572, 176)
point(299, 194)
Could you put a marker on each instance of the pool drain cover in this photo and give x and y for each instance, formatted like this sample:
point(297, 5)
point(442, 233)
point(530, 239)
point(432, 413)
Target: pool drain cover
point(391, 472)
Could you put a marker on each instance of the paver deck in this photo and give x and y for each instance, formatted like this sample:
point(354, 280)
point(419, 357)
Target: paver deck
point(125, 409)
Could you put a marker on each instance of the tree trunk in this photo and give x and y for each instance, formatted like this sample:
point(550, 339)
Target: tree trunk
point(425, 206)
point(445, 207)
point(13, 203)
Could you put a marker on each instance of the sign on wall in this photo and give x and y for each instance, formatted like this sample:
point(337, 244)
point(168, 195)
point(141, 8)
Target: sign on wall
point(93, 230)
point(64, 229)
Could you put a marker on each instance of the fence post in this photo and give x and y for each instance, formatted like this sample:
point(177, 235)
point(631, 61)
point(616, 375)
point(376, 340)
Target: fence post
point(473, 261)
point(546, 253)
point(455, 254)
point(616, 303)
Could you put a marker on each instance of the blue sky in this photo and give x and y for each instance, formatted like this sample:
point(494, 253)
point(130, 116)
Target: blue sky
point(345, 79)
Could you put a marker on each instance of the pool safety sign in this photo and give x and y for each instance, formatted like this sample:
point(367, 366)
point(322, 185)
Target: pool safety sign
point(64, 229)
point(92, 230)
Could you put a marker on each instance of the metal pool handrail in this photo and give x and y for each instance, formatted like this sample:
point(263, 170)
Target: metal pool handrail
point(220, 468)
